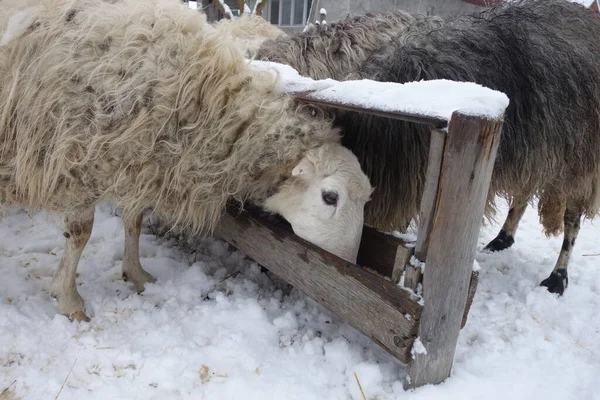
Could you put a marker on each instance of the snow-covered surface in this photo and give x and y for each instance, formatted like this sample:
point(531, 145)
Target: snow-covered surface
point(586, 3)
point(323, 11)
point(414, 261)
point(226, 9)
point(256, 6)
point(418, 348)
point(437, 98)
point(290, 80)
point(214, 327)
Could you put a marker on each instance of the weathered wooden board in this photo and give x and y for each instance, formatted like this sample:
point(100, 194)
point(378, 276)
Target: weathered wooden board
point(437, 144)
point(470, 296)
point(464, 178)
point(414, 276)
point(380, 252)
point(385, 254)
point(376, 307)
point(421, 119)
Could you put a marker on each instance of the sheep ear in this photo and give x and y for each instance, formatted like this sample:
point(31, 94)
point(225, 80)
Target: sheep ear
point(305, 169)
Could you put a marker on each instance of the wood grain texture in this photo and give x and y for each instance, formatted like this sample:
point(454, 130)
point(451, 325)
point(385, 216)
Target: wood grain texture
point(412, 277)
point(374, 306)
point(385, 254)
point(422, 119)
point(429, 198)
point(469, 155)
point(472, 290)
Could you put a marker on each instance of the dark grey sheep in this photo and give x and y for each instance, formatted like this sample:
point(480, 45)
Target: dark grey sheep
point(334, 50)
point(545, 55)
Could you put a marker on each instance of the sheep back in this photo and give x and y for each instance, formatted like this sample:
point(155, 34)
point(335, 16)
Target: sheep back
point(544, 54)
point(143, 104)
point(337, 49)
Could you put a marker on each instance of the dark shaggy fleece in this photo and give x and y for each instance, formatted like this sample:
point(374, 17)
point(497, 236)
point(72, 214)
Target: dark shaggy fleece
point(545, 55)
point(336, 49)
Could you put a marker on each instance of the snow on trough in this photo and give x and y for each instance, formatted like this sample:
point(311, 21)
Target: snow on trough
point(437, 98)
point(290, 80)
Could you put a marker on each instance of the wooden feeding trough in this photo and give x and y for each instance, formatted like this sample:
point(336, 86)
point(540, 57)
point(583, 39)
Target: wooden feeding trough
point(379, 296)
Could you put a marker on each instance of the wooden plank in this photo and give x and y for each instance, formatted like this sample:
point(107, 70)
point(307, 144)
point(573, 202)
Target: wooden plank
point(467, 165)
point(380, 252)
point(403, 255)
point(472, 290)
point(385, 254)
point(422, 119)
point(428, 200)
point(379, 309)
point(413, 276)
point(314, 11)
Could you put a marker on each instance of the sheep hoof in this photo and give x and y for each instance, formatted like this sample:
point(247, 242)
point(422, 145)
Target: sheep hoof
point(557, 282)
point(79, 316)
point(500, 242)
point(139, 279)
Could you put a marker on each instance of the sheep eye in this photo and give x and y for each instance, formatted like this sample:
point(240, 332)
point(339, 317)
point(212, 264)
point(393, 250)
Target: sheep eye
point(330, 198)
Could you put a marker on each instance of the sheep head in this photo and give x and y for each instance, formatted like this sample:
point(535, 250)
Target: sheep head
point(324, 200)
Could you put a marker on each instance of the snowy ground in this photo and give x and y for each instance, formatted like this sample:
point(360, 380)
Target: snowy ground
point(204, 334)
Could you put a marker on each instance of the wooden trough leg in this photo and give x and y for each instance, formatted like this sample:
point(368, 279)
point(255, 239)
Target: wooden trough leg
point(413, 276)
point(455, 219)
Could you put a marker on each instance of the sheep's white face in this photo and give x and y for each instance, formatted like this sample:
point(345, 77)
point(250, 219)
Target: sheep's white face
point(324, 200)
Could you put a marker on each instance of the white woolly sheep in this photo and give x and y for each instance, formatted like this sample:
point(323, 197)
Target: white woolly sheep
point(143, 104)
point(248, 32)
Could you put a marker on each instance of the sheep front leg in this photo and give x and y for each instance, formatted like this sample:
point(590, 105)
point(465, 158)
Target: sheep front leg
point(78, 228)
point(506, 236)
point(132, 269)
point(558, 280)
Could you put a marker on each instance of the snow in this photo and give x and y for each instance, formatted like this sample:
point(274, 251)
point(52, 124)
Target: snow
point(323, 11)
point(438, 98)
point(585, 3)
point(408, 237)
point(291, 81)
point(214, 327)
point(226, 9)
point(416, 263)
point(418, 348)
point(256, 6)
